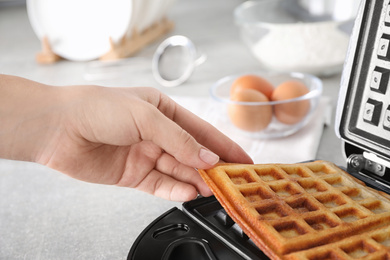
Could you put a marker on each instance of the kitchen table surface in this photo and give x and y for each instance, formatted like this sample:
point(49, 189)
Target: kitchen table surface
point(47, 215)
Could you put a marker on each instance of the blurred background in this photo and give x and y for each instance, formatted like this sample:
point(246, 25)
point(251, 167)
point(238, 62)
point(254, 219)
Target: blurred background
point(46, 215)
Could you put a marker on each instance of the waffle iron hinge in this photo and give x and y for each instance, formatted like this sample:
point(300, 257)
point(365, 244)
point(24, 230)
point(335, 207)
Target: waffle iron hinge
point(363, 165)
point(367, 161)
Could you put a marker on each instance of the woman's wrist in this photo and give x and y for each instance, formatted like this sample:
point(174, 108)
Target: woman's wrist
point(27, 110)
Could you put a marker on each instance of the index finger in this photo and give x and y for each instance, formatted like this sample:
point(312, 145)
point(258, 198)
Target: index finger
point(206, 134)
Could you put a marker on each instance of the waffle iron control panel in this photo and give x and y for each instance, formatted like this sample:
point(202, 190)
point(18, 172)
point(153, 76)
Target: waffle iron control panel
point(363, 116)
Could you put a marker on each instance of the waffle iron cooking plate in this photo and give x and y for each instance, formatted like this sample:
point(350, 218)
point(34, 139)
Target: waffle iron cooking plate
point(203, 231)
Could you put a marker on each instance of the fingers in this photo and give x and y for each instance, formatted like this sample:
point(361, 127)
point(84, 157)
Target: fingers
point(170, 166)
point(203, 132)
point(166, 187)
point(173, 139)
point(150, 169)
point(212, 138)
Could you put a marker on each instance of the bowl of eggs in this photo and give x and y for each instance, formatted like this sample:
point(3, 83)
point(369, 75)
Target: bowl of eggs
point(310, 36)
point(266, 105)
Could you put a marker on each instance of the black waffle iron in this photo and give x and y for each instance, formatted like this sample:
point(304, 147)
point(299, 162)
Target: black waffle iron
point(202, 230)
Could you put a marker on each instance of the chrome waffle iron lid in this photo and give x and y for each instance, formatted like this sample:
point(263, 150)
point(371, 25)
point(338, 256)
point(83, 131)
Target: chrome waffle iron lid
point(363, 111)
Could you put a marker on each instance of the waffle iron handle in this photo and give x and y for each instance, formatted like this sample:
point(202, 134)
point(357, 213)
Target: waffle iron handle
point(183, 249)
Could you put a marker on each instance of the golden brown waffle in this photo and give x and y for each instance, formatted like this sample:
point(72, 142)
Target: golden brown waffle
point(310, 210)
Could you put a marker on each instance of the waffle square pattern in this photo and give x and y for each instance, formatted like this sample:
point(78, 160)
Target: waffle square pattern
point(312, 210)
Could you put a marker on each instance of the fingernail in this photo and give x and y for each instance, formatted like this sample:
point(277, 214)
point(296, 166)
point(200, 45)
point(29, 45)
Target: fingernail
point(208, 156)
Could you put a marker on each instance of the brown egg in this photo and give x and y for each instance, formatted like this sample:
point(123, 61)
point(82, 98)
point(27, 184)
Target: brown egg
point(292, 112)
point(247, 117)
point(252, 82)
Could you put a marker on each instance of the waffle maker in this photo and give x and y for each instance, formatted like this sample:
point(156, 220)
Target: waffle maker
point(202, 230)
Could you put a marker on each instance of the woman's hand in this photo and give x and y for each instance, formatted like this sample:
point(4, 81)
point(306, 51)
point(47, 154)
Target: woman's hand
point(133, 137)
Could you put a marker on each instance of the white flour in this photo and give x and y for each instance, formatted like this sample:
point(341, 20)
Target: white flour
point(315, 48)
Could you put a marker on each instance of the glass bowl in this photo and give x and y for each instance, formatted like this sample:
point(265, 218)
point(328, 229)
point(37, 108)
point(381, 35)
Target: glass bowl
point(266, 119)
point(309, 36)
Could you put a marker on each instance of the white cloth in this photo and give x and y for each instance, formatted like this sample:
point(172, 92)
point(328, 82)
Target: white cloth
point(298, 147)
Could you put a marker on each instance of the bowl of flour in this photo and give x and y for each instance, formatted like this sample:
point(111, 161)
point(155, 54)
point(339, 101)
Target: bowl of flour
point(310, 36)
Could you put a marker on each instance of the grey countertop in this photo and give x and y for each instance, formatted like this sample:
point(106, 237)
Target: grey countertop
point(47, 215)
